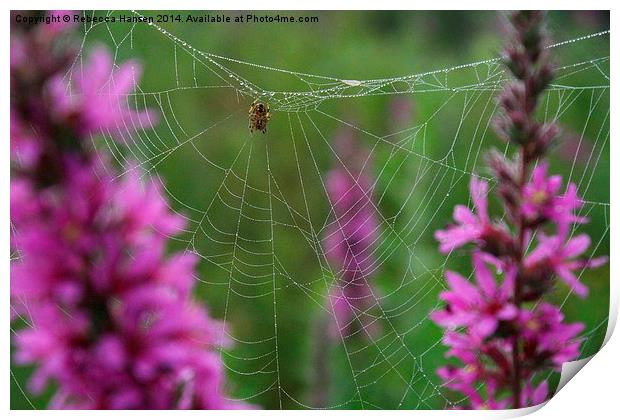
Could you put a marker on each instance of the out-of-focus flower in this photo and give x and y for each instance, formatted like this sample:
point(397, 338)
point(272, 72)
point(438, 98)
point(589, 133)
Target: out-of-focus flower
point(535, 395)
point(105, 314)
point(488, 401)
point(96, 100)
point(575, 148)
point(112, 319)
point(464, 347)
point(402, 111)
point(351, 303)
point(351, 239)
point(60, 23)
point(25, 148)
point(481, 397)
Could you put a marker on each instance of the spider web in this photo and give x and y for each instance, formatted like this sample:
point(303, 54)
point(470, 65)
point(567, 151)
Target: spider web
point(248, 200)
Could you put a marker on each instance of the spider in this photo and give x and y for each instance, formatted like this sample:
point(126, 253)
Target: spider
point(258, 116)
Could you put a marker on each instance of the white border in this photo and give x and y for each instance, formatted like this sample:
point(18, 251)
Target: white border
point(593, 394)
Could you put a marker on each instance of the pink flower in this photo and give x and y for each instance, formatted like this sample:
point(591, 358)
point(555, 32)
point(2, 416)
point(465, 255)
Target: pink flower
point(351, 238)
point(112, 320)
point(460, 379)
point(501, 343)
point(61, 25)
point(483, 397)
point(96, 100)
point(478, 307)
point(466, 348)
point(475, 227)
point(470, 226)
point(351, 303)
point(548, 340)
point(401, 111)
point(25, 148)
point(488, 401)
point(559, 253)
point(542, 202)
point(350, 241)
point(532, 396)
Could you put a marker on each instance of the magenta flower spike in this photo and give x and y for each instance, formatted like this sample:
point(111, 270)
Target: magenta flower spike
point(351, 239)
point(105, 314)
point(95, 101)
point(499, 328)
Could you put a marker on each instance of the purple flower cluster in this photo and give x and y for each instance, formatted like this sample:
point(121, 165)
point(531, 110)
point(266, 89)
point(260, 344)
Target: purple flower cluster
point(500, 328)
point(100, 309)
point(350, 239)
point(96, 101)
